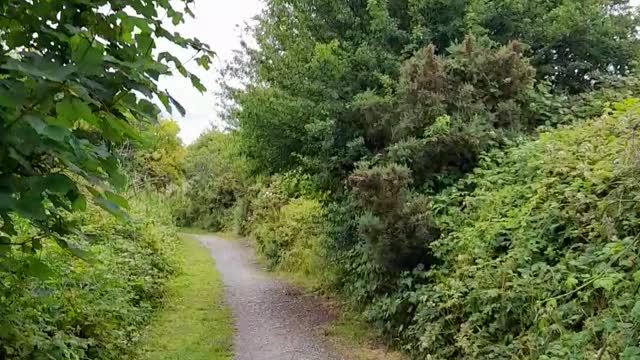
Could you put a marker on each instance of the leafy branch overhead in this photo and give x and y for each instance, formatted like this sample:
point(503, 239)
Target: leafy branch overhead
point(78, 78)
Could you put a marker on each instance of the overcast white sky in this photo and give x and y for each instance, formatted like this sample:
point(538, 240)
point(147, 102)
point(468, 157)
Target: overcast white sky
point(215, 24)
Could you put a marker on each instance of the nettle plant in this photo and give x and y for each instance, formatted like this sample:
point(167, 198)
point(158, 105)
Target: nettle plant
point(77, 78)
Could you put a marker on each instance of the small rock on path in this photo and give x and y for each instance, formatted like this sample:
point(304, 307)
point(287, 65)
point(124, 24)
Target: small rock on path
point(274, 321)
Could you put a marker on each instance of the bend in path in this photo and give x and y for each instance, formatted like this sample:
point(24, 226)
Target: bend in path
point(273, 320)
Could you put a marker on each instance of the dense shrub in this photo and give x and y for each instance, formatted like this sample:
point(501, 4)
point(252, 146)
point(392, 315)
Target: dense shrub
point(54, 305)
point(287, 221)
point(539, 260)
point(452, 108)
point(395, 223)
point(216, 175)
point(269, 195)
point(293, 237)
point(159, 164)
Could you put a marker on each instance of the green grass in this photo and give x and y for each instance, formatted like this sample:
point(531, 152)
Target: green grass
point(351, 335)
point(195, 323)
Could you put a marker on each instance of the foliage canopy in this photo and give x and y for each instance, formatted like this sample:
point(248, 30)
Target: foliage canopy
point(77, 78)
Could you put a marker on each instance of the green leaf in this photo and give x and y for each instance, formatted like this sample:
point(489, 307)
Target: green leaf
point(66, 114)
point(54, 184)
point(46, 70)
point(108, 205)
point(79, 203)
point(14, 154)
point(606, 283)
point(5, 247)
point(30, 206)
point(72, 249)
point(177, 18)
point(177, 105)
point(88, 55)
point(635, 312)
point(7, 202)
point(52, 132)
point(7, 224)
point(59, 183)
point(39, 269)
point(69, 110)
point(571, 282)
point(631, 353)
point(117, 199)
point(204, 61)
point(195, 81)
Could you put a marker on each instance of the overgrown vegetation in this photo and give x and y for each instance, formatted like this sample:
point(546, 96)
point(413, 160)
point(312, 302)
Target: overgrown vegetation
point(456, 169)
point(539, 259)
point(463, 172)
point(85, 248)
point(56, 306)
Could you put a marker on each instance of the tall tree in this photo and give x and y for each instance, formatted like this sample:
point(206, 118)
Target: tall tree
point(324, 72)
point(572, 43)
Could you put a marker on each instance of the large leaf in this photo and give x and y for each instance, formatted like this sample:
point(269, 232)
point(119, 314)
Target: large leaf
point(117, 199)
point(87, 54)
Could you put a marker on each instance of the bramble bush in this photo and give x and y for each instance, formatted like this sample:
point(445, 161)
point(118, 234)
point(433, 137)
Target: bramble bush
point(539, 259)
point(56, 306)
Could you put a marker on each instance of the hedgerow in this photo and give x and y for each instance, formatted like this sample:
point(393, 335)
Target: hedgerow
point(57, 306)
point(540, 259)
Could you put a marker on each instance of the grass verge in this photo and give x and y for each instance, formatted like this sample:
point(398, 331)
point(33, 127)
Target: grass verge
point(353, 336)
point(195, 323)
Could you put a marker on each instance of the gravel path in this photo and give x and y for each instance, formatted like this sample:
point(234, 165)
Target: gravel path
point(274, 321)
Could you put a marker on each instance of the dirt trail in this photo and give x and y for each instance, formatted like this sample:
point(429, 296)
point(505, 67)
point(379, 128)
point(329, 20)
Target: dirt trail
point(274, 321)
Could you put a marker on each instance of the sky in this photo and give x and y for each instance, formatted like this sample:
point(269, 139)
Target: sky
point(216, 24)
